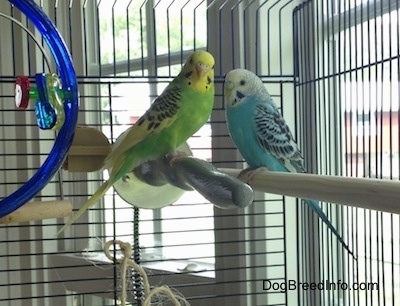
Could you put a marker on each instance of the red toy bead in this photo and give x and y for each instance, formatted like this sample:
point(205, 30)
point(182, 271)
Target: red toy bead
point(22, 92)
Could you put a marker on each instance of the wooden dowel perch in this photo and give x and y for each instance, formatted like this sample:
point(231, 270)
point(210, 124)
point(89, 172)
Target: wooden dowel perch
point(90, 147)
point(38, 211)
point(377, 194)
point(89, 151)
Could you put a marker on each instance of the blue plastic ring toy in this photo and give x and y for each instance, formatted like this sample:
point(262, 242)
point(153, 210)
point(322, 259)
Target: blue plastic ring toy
point(65, 136)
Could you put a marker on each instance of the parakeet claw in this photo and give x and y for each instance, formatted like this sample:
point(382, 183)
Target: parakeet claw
point(246, 175)
point(261, 134)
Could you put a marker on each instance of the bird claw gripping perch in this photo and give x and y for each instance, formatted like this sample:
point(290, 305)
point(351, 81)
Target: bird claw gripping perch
point(187, 172)
point(49, 96)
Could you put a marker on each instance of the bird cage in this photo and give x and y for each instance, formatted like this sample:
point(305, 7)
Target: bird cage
point(332, 67)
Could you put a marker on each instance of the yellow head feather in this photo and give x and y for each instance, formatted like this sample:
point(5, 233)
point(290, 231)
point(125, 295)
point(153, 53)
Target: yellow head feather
point(198, 71)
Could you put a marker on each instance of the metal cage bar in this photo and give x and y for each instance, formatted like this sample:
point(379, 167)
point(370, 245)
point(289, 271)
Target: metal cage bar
point(325, 65)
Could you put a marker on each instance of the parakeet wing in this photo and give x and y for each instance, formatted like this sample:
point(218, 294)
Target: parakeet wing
point(274, 136)
point(160, 115)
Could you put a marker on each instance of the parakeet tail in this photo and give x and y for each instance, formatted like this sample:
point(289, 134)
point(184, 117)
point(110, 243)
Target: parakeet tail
point(316, 208)
point(90, 202)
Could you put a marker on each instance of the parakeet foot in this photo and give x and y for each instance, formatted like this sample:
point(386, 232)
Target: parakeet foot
point(247, 174)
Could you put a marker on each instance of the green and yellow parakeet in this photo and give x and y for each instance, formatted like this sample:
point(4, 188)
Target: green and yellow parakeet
point(179, 112)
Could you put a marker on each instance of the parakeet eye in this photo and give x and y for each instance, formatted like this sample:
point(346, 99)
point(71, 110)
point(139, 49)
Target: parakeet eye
point(242, 82)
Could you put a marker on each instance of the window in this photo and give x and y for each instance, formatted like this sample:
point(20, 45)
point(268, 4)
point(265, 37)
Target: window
point(371, 91)
point(348, 96)
point(140, 57)
point(331, 66)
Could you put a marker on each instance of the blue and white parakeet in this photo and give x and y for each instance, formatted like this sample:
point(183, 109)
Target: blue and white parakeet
point(261, 133)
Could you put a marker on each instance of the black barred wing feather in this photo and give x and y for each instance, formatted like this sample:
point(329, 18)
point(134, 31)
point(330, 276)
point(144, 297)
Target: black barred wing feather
point(274, 135)
point(162, 112)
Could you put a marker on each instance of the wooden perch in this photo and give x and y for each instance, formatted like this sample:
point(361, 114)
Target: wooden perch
point(88, 150)
point(38, 211)
point(377, 194)
point(90, 147)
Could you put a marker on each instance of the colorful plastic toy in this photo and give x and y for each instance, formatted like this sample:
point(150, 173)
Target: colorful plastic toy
point(49, 96)
point(54, 111)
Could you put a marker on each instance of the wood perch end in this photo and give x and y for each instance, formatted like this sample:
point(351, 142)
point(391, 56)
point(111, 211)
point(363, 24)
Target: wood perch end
point(38, 211)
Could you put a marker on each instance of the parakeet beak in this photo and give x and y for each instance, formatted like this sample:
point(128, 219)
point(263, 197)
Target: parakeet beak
point(201, 70)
